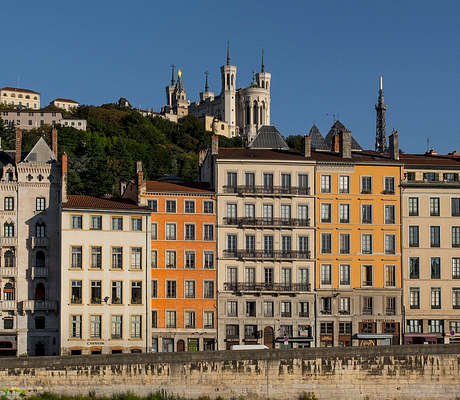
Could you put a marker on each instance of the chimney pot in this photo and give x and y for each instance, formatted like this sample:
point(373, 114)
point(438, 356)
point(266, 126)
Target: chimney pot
point(18, 146)
point(307, 146)
point(346, 144)
point(54, 142)
point(394, 145)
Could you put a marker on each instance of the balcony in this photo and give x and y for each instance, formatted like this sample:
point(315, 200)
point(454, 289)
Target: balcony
point(286, 314)
point(267, 190)
point(267, 287)
point(39, 272)
point(7, 272)
point(326, 311)
point(8, 241)
point(39, 242)
point(367, 311)
point(8, 305)
point(39, 305)
point(390, 311)
point(268, 222)
point(344, 312)
point(268, 254)
point(303, 314)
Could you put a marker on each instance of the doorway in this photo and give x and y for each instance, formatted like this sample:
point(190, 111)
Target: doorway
point(268, 337)
point(180, 345)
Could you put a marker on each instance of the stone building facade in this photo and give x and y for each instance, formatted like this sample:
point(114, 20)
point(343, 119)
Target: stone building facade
point(34, 119)
point(29, 249)
point(20, 97)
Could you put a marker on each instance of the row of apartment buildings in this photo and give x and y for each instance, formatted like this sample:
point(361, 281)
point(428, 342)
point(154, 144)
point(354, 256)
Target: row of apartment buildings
point(331, 246)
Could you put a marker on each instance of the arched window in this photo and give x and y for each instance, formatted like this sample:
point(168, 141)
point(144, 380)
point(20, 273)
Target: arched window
point(9, 176)
point(8, 229)
point(255, 122)
point(9, 259)
point(40, 291)
point(248, 114)
point(232, 79)
point(267, 85)
point(40, 259)
point(8, 291)
point(40, 230)
point(228, 80)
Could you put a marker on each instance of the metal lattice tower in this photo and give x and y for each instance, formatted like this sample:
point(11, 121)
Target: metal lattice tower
point(380, 134)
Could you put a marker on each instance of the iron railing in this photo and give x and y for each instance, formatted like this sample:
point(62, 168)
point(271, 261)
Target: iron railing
point(267, 287)
point(267, 190)
point(266, 222)
point(268, 254)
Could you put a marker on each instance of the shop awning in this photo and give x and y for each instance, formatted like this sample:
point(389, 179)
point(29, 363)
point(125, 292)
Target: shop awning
point(374, 336)
point(7, 342)
point(296, 339)
point(433, 336)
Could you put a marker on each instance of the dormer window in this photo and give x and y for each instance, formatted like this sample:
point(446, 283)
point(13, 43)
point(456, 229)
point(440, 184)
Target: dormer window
point(9, 176)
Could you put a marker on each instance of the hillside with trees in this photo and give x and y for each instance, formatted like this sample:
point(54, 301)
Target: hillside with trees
point(116, 137)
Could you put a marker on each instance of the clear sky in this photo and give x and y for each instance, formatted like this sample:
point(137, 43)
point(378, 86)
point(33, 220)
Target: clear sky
point(325, 58)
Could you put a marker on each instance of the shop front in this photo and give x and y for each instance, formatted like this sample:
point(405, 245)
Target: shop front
point(296, 341)
point(420, 338)
point(8, 345)
point(374, 339)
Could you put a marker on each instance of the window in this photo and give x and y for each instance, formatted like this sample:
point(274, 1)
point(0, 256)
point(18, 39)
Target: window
point(268, 309)
point(232, 275)
point(250, 309)
point(345, 328)
point(390, 244)
point(231, 212)
point(414, 326)
point(189, 206)
point(77, 221)
point(116, 327)
point(75, 326)
point(170, 319)
point(96, 257)
point(435, 236)
point(170, 231)
point(76, 256)
point(171, 291)
point(344, 184)
point(208, 260)
point(136, 292)
point(435, 326)
point(450, 177)
point(326, 328)
point(208, 232)
point(40, 230)
point(455, 207)
point(189, 289)
point(208, 207)
point(170, 258)
point(431, 176)
point(268, 275)
point(435, 298)
point(389, 185)
point(303, 277)
point(136, 224)
point(154, 231)
point(368, 309)
point(8, 230)
point(154, 259)
point(117, 292)
point(366, 184)
point(268, 182)
point(170, 206)
point(389, 214)
point(232, 179)
point(286, 309)
point(304, 309)
point(136, 258)
point(286, 181)
point(268, 245)
point(390, 306)
point(367, 275)
point(40, 204)
point(96, 290)
point(96, 222)
point(286, 276)
point(344, 213)
point(366, 243)
point(413, 206)
point(435, 268)
point(413, 236)
point(189, 232)
point(190, 259)
point(325, 305)
point(76, 292)
point(189, 319)
point(154, 321)
point(434, 206)
point(325, 212)
point(414, 298)
point(303, 183)
point(326, 243)
point(325, 184)
point(117, 223)
point(268, 212)
point(456, 236)
point(344, 274)
point(208, 289)
point(303, 247)
point(286, 243)
point(285, 213)
point(250, 275)
point(456, 298)
point(95, 326)
point(454, 326)
point(390, 275)
point(366, 213)
point(302, 214)
point(344, 243)
point(414, 268)
point(344, 305)
point(153, 205)
point(136, 326)
point(455, 268)
point(8, 203)
point(232, 331)
point(326, 278)
point(232, 308)
point(250, 211)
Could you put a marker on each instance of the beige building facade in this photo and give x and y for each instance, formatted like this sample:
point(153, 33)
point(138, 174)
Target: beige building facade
point(27, 98)
point(430, 203)
point(34, 119)
point(65, 104)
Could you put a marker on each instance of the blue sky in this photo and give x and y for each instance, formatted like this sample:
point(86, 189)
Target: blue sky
point(325, 58)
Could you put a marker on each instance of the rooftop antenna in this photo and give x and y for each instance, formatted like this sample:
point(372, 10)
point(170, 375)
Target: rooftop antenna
point(206, 87)
point(263, 63)
point(172, 74)
point(427, 144)
point(228, 52)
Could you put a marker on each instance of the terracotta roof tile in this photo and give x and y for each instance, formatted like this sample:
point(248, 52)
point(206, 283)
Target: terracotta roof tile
point(195, 187)
point(12, 89)
point(65, 100)
point(91, 202)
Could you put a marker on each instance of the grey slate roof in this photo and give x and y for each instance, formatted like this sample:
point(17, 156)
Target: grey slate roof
point(268, 137)
point(317, 140)
point(337, 128)
point(40, 153)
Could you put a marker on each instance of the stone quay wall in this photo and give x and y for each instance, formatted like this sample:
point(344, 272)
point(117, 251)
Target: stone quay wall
point(396, 372)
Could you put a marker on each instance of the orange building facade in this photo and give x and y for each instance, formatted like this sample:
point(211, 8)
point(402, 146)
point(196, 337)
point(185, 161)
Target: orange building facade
point(183, 267)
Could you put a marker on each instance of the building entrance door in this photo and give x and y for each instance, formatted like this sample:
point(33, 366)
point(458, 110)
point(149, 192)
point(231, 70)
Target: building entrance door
point(180, 345)
point(268, 337)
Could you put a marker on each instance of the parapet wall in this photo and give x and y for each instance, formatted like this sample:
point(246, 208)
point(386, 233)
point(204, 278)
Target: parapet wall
point(396, 372)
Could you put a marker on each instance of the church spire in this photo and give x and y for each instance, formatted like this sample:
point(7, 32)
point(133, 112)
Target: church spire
point(262, 69)
point(380, 134)
point(172, 75)
point(206, 87)
point(228, 52)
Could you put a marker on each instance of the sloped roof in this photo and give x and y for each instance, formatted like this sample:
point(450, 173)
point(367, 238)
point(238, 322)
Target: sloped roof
point(161, 186)
point(337, 128)
point(65, 100)
point(268, 137)
point(12, 89)
point(40, 153)
point(317, 140)
point(91, 202)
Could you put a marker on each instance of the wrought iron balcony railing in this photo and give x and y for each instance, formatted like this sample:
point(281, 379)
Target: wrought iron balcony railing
point(268, 254)
point(268, 222)
point(267, 287)
point(267, 190)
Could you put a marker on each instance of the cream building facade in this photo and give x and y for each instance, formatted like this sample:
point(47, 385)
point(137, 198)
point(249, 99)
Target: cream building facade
point(430, 204)
point(265, 242)
point(105, 276)
point(65, 104)
point(20, 97)
point(34, 119)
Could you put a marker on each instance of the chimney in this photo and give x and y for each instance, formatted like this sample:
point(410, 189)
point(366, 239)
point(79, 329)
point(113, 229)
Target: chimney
point(307, 146)
point(18, 145)
point(336, 143)
point(214, 145)
point(64, 178)
point(54, 142)
point(394, 145)
point(141, 184)
point(346, 144)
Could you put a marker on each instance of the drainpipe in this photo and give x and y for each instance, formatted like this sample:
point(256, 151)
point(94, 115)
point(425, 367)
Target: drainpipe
point(147, 283)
